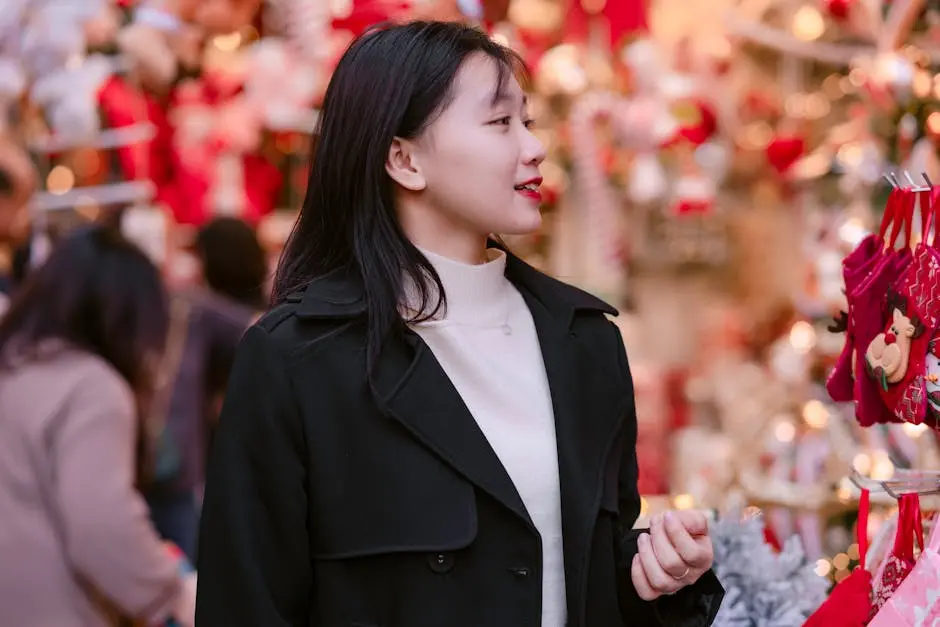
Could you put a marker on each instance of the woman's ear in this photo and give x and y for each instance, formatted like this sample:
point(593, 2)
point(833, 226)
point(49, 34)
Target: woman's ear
point(402, 166)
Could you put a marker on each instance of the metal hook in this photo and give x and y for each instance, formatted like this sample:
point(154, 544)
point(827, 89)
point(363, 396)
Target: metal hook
point(907, 175)
point(894, 177)
point(891, 182)
point(927, 179)
point(889, 491)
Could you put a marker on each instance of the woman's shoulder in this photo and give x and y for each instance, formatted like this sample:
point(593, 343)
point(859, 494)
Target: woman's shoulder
point(67, 368)
point(40, 386)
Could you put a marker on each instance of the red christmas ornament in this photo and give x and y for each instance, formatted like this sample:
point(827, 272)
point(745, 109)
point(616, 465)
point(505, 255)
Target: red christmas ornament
point(784, 151)
point(839, 9)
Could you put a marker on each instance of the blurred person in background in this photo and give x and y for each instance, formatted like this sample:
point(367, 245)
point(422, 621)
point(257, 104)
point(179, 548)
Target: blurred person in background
point(17, 183)
point(77, 352)
point(425, 431)
point(207, 320)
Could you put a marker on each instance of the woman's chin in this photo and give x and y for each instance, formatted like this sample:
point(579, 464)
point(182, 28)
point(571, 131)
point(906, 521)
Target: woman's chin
point(521, 222)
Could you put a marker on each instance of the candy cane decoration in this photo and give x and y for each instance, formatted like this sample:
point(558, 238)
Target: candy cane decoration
point(598, 197)
point(640, 123)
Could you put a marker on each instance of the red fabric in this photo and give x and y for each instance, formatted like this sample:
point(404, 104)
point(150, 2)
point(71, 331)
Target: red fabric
point(900, 562)
point(784, 151)
point(122, 106)
point(188, 194)
point(867, 272)
point(185, 187)
point(913, 303)
point(771, 539)
point(868, 313)
point(849, 604)
point(620, 19)
point(367, 13)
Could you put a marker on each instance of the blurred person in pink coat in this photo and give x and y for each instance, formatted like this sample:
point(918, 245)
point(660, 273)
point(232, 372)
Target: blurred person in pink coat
point(77, 349)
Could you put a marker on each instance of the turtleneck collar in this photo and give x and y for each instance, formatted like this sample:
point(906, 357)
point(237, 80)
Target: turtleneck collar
point(476, 294)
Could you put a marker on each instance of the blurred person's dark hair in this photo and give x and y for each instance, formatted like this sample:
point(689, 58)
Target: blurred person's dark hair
point(234, 261)
point(97, 292)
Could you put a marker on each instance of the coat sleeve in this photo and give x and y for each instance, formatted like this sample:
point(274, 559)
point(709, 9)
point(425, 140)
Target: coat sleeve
point(693, 606)
point(254, 566)
point(106, 527)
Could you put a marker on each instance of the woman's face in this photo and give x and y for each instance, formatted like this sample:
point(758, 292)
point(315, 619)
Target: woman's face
point(478, 161)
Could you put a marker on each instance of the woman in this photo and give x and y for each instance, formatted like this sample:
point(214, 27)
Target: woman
point(76, 349)
point(425, 431)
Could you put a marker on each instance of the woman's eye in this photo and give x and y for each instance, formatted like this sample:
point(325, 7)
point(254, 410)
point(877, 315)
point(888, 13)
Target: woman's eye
point(505, 121)
point(529, 124)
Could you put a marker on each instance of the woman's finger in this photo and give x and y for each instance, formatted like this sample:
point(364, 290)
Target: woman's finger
point(659, 579)
point(686, 547)
point(694, 521)
point(666, 549)
point(643, 587)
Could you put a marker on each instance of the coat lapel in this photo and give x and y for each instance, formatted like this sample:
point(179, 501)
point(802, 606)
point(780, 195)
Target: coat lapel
point(425, 401)
point(589, 408)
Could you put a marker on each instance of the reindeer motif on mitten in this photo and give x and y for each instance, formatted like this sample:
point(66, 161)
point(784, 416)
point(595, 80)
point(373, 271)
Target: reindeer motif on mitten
point(889, 353)
point(897, 357)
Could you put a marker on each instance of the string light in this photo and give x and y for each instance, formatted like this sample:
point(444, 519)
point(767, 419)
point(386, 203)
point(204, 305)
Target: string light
point(683, 501)
point(882, 469)
point(922, 84)
point(60, 180)
point(853, 551)
point(912, 430)
point(802, 337)
point(815, 414)
point(933, 121)
point(785, 431)
point(644, 506)
point(862, 463)
point(228, 43)
point(841, 561)
point(808, 23)
point(823, 567)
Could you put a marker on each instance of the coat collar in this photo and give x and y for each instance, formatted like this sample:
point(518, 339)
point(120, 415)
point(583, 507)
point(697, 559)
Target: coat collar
point(340, 294)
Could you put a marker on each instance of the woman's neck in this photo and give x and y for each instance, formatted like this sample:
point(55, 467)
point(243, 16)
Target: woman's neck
point(433, 230)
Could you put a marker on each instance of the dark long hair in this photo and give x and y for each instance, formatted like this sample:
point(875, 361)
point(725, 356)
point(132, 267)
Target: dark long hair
point(391, 82)
point(98, 292)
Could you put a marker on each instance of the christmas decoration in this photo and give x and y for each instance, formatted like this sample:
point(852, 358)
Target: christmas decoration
point(763, 588)
point(839, 9)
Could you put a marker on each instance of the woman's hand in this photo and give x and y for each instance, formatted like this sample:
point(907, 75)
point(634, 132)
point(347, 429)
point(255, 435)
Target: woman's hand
point(674, 554)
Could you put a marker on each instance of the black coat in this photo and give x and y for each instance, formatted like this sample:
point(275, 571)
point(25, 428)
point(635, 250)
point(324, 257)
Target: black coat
point(327, 508)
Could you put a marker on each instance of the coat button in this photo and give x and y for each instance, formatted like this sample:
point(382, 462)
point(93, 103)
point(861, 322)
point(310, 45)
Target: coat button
point(520, 572)
point(441, 563)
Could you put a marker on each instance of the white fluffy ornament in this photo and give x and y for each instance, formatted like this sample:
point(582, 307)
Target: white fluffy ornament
point(69, 96)
point(280, 87)
point(647, 182)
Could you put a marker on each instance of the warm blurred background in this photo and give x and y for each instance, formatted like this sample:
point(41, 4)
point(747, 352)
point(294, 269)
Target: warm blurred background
point(711, 162)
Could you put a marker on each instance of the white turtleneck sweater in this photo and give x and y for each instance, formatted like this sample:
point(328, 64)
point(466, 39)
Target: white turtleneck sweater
point(487, 344)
